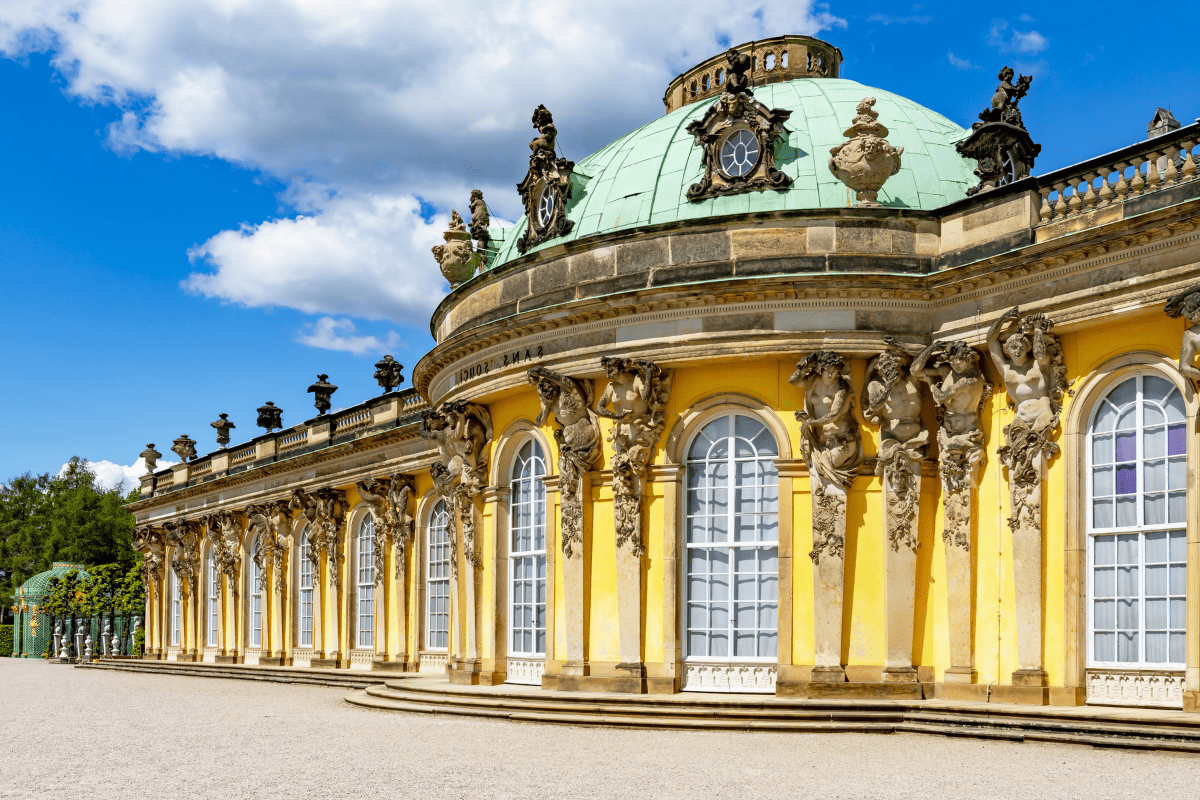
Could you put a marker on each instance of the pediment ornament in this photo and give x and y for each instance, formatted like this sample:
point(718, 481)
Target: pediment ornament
point(546, 187)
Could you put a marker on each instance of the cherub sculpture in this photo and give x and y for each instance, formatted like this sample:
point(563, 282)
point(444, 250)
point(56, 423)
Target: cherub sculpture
point(737, 80)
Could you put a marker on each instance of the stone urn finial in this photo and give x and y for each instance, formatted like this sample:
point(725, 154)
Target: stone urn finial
point(322, 391)
point(457, 259)
point(389, 373)
point(270, 416)
point(152, 456)
point(867, 160)
point(223, 426)
point(185, 447)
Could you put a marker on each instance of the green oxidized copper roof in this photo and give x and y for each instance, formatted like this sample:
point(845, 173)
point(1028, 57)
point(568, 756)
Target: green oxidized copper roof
point(642, 178)
point(35, 587)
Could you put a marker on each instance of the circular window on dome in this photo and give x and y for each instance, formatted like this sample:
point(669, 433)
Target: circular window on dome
point(545, 208)
point(739, 153)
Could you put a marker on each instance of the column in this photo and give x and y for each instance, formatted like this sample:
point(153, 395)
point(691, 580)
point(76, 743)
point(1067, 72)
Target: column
point(573, 570)
point(663, 677)
point(497, 498)
point(553, 666)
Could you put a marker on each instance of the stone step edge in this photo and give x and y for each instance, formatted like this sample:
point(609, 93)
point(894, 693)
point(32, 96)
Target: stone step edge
point(301, 678)
point(247, 669)
point(362, 699)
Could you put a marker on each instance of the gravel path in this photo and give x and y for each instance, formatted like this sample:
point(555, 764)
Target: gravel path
point(68, 733)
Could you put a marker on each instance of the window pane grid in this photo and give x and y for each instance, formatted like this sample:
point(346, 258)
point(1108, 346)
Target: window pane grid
point(1137, 472)
point(732, 542)
point(437, 579)
point(214, 588)
point(527, 553)
point(366, 583)
point(174, 610)
point(255, 597)
point(306, 591)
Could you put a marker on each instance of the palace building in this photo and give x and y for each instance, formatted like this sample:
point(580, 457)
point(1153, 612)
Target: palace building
point(800, 388)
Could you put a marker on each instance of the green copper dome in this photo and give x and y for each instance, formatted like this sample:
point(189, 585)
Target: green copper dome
point(642, 178)
point(35, 588)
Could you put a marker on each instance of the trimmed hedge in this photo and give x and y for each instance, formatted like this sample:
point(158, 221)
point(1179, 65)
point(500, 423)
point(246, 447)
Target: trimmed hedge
point(139, 641)
point(6, 641)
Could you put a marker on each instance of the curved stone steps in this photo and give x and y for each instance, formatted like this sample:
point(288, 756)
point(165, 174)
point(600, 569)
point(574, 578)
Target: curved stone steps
point(301, 675)
point(1126, 728)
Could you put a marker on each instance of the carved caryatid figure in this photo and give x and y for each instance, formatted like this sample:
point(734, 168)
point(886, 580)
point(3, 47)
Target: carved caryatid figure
point(373, 492)
point(635, 399)
point(891, 399)
point(183, 536)
point(546, 187)
point(1186, 304)
point(578, 437)
point(830, 443)
point(228, 528)
point(951, 368)
point(867, 160)
point(1031, 363)
point(461, 431)
point(149, 541)
point(331, 517)
point(456, 258)
point(401, 491)
point(306, 504)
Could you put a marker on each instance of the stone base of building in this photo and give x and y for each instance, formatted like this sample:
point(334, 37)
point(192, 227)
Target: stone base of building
point(826, 690)
point(272, 661)
point(608, 677)
point(1191, 701)
point(471, 673)
point(328, 663)
point(403, 665)
point(226, 660)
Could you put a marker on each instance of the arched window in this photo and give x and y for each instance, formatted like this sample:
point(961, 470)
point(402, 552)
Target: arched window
point(256, 580)
point(305, 566)
point(732, 542)
point(175, 611)
point(214, 601)
point(366, 582)
point(1137, 485)
point(437, 579)
point(527, 553)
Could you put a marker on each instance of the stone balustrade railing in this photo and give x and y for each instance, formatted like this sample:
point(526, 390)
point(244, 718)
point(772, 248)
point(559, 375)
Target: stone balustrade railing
point(198, 468)
point(293, 439)
point(352, 421)
point(243, 455)
point(1116, 177)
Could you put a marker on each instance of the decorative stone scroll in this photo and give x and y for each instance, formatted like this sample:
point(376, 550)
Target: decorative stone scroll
point(867, 160)
point(999, 142)
point(1031, 362)
point(546, 187)
point(891, 399)
point(578, 437)
point(456, 258)
point(1186, 304)
point(831, 444)
point(951, 368)
point(737, 136)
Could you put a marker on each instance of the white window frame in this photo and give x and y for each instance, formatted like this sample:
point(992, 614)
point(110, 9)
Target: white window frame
point(214, 608)
point(256, 603)
point(528, 469)
point(304, 569)
point(365, 585)
point(771, 483)
point(1140, 529)
point(437, 577)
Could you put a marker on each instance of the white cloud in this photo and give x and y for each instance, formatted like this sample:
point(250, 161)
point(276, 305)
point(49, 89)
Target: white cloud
point(109, 475)
point(328, 333)
point(367, 255)
point(961, 63)
point(376, 103)
point(1017, 41)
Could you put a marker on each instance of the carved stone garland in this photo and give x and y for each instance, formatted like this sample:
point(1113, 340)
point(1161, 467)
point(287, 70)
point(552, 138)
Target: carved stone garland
point(635, 399)
point(951, 368)
point(577, 434)
point(744, 131)
point(462, 432)
point(546, 187)
point(831, 444)
point(891, 399)
point(1031, 361)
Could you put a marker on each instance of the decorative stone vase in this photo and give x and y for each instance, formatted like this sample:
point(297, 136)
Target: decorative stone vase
point(866, 161)
point(457, 259)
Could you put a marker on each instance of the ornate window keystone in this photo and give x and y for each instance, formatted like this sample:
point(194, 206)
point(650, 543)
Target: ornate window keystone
point(999, 142)
point(546, 187)
point(737, 135)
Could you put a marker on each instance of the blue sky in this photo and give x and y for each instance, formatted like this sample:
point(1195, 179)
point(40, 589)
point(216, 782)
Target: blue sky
point(206, 204)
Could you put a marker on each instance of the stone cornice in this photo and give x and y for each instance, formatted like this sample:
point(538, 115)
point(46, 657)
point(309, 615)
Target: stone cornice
point(1092, 248)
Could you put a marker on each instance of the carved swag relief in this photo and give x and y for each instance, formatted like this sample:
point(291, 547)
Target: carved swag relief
point(578, 437)
point(635, 399)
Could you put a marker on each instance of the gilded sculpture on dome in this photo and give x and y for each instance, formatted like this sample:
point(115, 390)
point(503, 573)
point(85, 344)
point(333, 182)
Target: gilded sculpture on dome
point(737, 137)
point(867, 159)
point(546, 188)
point(578, 437)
